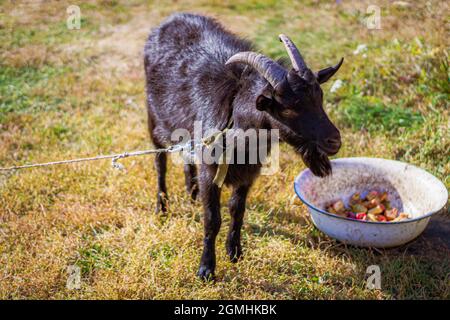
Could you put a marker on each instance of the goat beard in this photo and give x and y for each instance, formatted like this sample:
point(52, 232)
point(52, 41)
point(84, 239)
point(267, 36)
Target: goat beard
point(315, 159)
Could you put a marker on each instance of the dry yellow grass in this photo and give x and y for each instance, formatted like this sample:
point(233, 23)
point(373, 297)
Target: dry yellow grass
point(81, 92)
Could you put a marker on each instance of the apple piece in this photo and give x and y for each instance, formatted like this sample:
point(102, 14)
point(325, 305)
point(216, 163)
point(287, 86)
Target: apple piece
point(381, 218)
point(374, 202)
point(387, 204)
point(401, 216)
point(377, 210)
point(339, 206)
point(361, 216)
point(372, 217)
point(359, 208)
point(372, 195)
point(330, 209)
point(371, 204)
point(355, 198)
point(342, 214)
point(391, 214)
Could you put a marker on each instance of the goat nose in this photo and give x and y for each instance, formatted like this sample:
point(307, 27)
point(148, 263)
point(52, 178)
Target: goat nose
point(334, 142)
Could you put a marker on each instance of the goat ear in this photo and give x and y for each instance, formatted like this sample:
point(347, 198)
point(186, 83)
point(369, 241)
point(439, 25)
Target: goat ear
point(264, 102)
point(325, 74)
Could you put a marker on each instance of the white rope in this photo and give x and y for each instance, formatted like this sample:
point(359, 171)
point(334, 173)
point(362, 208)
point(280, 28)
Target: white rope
point(114, 157)
point(190, 145)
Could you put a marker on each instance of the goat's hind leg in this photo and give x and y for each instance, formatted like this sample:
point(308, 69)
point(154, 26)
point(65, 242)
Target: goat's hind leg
point(156, 135)
point(190, 175)
point(161, 196)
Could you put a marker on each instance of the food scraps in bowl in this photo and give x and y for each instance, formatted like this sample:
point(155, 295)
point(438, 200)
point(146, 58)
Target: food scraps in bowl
point(375, 206)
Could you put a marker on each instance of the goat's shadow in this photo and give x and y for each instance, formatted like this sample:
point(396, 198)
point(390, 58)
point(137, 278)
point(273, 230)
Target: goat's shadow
point(426, 254)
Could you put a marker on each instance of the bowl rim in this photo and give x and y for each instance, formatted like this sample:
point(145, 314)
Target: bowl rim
point(311, 206)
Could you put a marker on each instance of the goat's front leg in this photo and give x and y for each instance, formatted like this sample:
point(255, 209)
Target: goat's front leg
point(210, 195)
point(237, 209)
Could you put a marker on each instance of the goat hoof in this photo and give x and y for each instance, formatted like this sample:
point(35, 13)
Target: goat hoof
point(160, 209)
point(205, 273)
point(161, 205)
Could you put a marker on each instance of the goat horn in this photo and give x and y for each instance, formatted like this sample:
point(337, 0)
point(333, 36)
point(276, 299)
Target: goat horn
point(297, 61)
point(269, 69)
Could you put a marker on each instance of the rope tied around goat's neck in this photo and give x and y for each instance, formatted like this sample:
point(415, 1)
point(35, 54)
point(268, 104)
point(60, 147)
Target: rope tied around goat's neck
point(222, 165)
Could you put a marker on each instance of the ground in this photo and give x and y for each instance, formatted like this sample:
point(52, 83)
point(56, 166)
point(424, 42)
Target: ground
point(70, 93)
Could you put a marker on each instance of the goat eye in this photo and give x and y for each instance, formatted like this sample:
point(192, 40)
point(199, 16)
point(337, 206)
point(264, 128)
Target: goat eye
point(289, 113)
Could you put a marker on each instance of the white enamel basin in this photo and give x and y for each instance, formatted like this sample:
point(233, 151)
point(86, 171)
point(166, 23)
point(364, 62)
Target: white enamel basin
point(410, 189)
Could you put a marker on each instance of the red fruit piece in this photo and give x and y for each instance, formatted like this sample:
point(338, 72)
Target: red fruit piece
point(361, 216)
point(381, 218)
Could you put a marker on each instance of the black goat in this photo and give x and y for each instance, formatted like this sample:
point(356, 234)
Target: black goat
point(197, 71)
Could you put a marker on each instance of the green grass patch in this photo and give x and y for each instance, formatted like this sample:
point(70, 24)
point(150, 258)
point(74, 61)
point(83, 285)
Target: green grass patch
point(57, 33)
point(93, 257)
point(26, 89)
point(252, 5)
point(371, 114)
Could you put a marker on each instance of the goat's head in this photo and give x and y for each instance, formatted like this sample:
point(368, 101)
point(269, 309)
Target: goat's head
point(294, 98)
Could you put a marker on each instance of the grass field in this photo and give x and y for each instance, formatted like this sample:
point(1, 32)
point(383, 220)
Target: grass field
point(70, 93)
